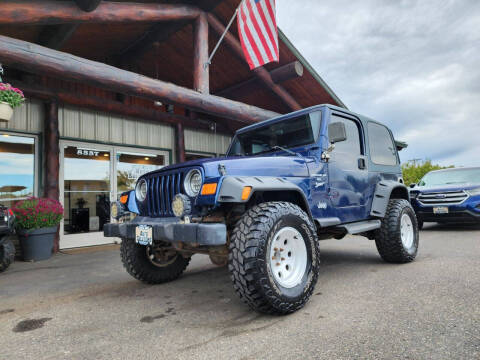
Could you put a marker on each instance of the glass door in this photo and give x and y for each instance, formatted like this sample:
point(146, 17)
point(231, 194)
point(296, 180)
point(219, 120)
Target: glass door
point(86, 192)
point(93, 175)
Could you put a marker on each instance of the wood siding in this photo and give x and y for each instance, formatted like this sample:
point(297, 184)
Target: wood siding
point(105, 128)
point(203, 141)
point(26, 118)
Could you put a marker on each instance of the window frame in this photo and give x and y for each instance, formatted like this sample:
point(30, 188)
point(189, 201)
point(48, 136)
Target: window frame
point(36, 159)
point(397, 159)
point(357, 122)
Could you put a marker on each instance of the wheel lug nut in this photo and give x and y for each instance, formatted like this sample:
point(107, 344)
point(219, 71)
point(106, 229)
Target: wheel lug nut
point(273, 257)
point(275, 249)
point(281, 249)
point(282, 259)
point(277, 264)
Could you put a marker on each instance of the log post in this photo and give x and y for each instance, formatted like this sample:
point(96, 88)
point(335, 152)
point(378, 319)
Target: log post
point(261, 73)
point(201, 81)
point(179, 143)
point(38, 59)
point(52, 156)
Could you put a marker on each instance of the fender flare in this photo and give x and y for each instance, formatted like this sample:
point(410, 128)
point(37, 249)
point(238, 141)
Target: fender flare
point(383, 194)
point(232, 186)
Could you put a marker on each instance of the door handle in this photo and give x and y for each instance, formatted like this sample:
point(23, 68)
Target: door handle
point(362, 164)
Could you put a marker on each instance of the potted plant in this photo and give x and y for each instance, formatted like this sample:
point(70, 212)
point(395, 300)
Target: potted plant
point(36, 221)
point(10, 98)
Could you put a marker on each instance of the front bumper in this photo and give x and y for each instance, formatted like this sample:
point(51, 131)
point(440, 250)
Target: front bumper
point(467, 212)
point(171, 230)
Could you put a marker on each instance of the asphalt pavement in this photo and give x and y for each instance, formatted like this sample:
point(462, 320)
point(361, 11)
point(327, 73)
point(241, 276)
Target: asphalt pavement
point(85, 306)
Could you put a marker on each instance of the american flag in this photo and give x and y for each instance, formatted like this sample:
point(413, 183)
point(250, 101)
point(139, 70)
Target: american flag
point(257, 28)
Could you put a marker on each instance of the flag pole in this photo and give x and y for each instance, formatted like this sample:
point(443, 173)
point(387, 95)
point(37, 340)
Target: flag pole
point(209, 62)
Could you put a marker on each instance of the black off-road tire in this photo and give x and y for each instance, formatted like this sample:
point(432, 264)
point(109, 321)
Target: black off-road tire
point(420, 223)
point(7, 255)
point(388, 237)
point(137, 264)
point(249, 266)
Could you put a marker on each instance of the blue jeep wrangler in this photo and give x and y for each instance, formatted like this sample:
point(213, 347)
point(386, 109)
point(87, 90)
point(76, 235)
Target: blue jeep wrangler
point(285, 184)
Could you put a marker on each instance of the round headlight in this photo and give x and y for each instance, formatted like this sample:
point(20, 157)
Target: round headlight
point(141, 190)
point(193, 182)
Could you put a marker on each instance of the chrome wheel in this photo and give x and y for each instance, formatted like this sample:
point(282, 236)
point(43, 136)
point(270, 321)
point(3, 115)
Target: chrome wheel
point(288, 257)
point(161, 257)
point(406, 231)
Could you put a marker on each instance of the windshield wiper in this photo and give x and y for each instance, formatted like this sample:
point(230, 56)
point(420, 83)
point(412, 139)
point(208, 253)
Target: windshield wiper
point(276, 147)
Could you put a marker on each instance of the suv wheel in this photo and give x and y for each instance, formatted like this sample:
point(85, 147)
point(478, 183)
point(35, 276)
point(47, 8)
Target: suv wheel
point(397, 239)
point(274, 258)
point(152, 265)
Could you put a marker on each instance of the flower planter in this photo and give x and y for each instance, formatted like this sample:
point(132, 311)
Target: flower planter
point(37, 244)
point(6, 111)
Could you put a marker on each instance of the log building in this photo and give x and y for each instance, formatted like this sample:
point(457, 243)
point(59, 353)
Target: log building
point(117, 89)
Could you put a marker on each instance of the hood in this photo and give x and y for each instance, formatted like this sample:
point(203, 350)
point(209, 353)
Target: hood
point(445, 188)
point(277, 166)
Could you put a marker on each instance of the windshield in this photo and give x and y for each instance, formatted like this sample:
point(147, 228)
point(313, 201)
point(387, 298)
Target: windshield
point(460, 176)
point(289, 133)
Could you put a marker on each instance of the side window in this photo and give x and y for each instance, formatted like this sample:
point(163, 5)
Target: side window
point(352, 145)
point(382, 148)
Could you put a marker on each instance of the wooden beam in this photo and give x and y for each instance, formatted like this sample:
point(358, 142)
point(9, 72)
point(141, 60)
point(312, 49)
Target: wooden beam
point(201, 79)
point(261, 73)
point(52, 158)
point(287, 72)
point(55, 36)
point(283, 73)
point(38, 59)
point(116, 107)
point(61, 12)
point(87, 5)
point(159, 33)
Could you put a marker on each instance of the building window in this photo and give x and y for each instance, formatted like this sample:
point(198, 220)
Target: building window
point(17, 168)
point(130, 166)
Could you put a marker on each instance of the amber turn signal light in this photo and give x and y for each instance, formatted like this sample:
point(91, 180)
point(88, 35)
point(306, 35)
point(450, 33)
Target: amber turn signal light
point(124, 199)
point(246, 192)
point(209, 189)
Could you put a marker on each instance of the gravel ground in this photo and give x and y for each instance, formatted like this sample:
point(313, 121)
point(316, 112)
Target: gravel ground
point(85, 306)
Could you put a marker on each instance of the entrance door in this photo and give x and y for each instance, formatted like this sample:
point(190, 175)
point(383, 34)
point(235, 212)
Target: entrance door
point(93, 175)
point(86, 190)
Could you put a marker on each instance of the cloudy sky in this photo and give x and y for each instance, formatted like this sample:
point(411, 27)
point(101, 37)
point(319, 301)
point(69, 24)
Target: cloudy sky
point(412, 64)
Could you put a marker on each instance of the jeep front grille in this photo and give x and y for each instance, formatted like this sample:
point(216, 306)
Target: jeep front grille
point(161, 190)
point(443, 198)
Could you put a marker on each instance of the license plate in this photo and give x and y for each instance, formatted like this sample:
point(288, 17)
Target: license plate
point(440, 210)
point(143, 235)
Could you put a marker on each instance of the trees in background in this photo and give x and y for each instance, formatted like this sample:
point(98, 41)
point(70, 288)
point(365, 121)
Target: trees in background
point(413, 171)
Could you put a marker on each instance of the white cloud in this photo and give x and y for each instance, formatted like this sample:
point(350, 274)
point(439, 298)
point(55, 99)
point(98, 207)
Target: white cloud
point(412, 64)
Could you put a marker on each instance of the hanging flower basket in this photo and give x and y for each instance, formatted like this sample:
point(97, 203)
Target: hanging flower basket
point(10, 98)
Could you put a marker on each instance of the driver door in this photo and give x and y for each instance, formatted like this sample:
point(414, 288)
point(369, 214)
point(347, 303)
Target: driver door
point(348, 173)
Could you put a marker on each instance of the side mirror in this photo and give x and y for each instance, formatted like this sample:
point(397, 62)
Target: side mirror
point(412, 185)
point(337, 132)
